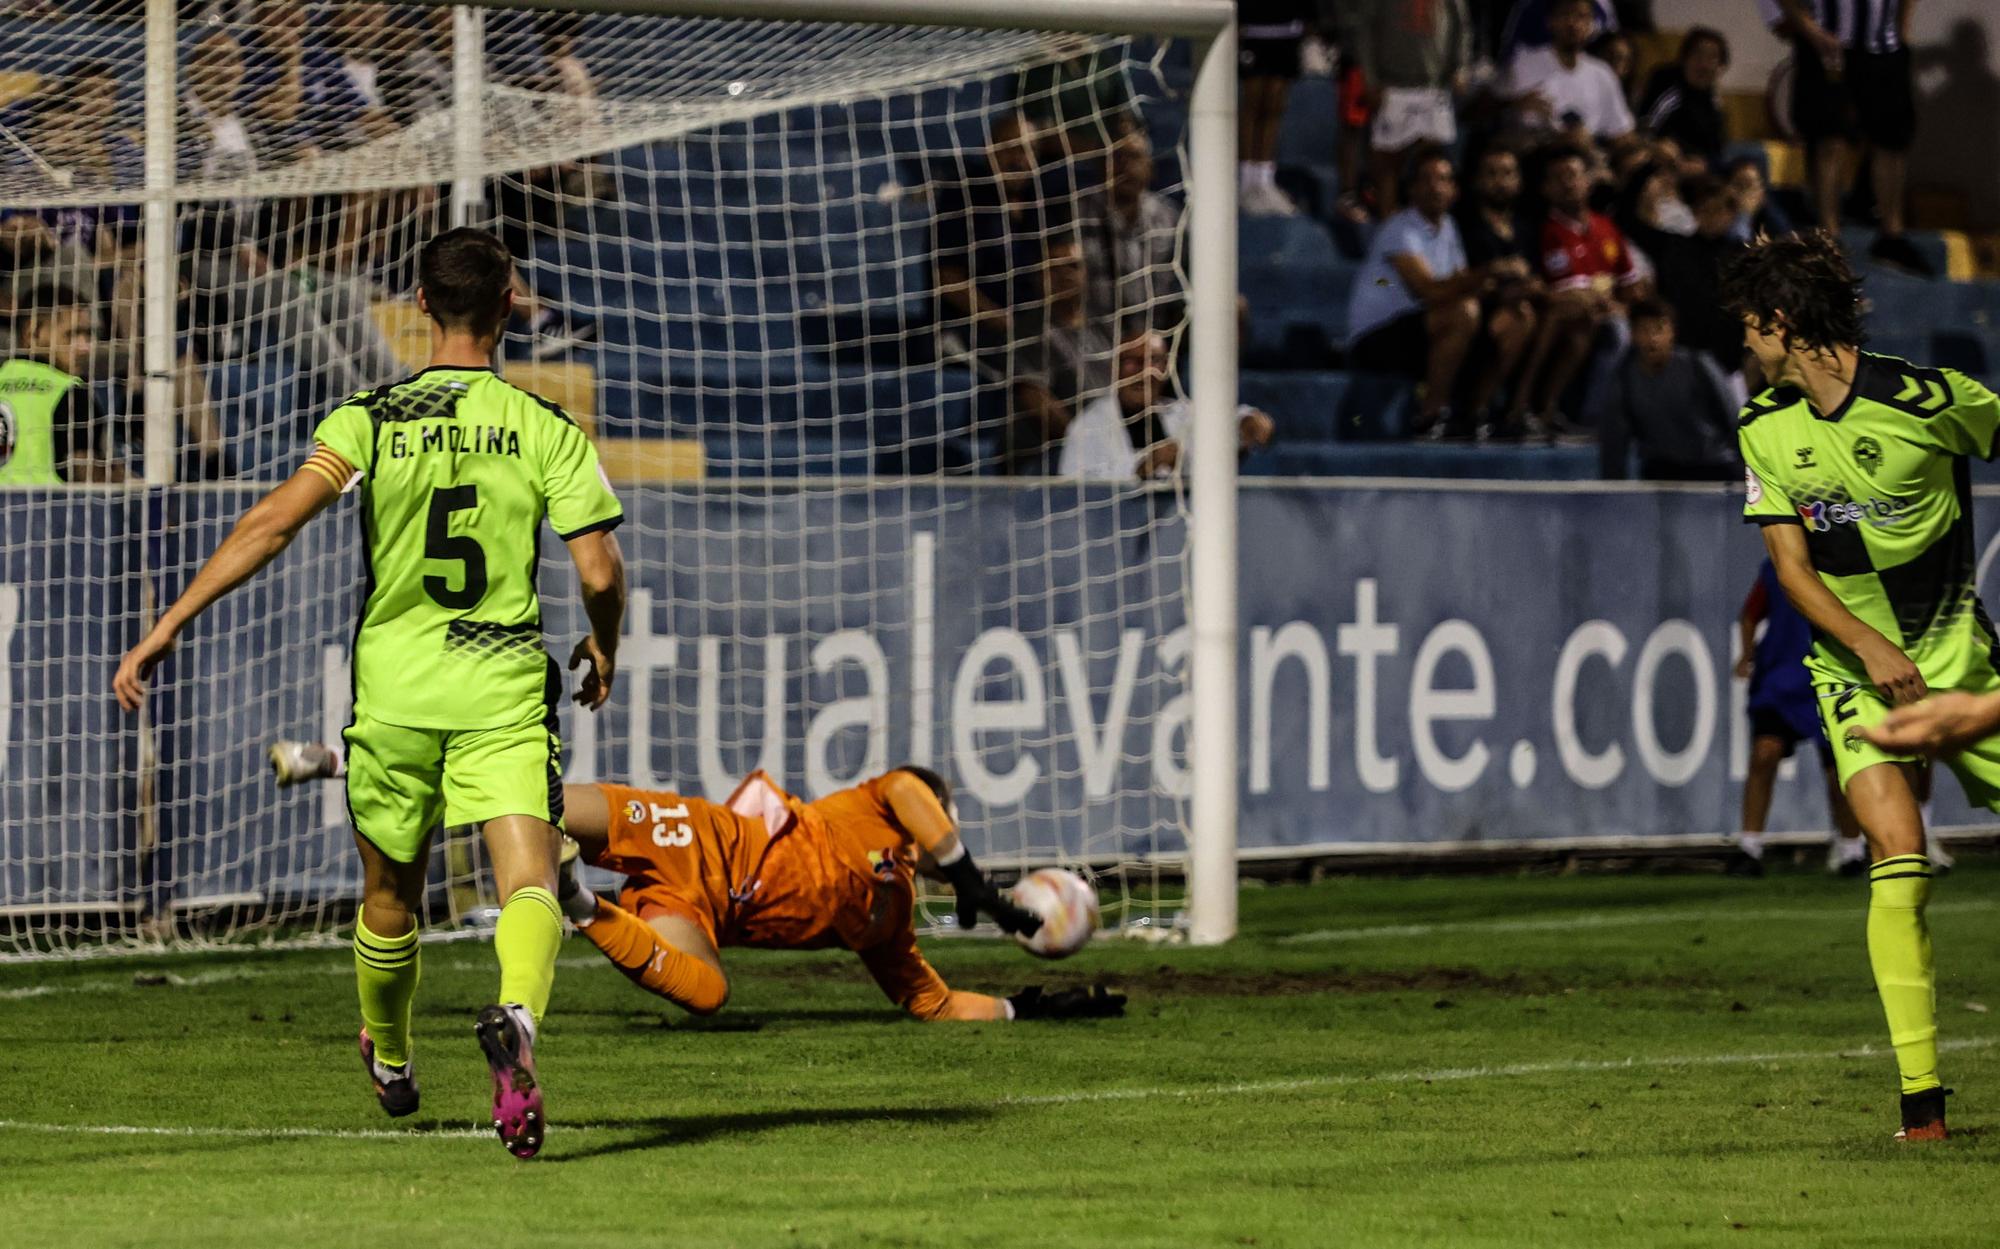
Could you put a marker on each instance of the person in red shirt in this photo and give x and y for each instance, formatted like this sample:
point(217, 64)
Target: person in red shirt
point(1591, 274)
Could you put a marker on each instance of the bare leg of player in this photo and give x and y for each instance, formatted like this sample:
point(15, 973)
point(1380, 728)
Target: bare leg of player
point(669, 956)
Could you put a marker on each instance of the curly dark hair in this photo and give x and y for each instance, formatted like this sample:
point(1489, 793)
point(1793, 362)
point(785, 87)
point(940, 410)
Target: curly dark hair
point(1803, 278)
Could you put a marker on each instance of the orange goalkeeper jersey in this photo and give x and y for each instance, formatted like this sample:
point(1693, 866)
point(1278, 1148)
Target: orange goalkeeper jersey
point(841, 872)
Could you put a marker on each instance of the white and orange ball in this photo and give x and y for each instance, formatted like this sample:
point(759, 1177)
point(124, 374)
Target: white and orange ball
point(1068, 906)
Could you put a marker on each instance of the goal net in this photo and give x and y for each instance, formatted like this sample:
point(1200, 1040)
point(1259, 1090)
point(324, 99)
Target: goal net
point(870, 324)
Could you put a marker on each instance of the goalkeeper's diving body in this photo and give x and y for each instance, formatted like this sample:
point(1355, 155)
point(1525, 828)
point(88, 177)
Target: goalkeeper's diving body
point(454, 696)
point(1857, 475)
point(767, 870)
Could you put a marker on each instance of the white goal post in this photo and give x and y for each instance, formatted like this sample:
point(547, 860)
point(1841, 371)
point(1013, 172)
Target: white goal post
point(163, 257)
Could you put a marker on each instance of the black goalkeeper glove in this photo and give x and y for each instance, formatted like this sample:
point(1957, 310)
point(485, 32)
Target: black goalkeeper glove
point(976, 894)
point(1096, 1002)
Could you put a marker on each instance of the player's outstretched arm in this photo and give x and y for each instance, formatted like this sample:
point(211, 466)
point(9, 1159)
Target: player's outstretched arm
point(935, 832)
point(1889, 669)
point(1940, 724)
point(600, 570)
point(260, 534)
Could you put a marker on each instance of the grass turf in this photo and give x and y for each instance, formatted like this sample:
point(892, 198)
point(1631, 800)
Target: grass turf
point(1642, 1060)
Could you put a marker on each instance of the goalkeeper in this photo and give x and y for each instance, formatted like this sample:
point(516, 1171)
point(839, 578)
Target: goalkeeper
point(454, 697)
point(767, 870)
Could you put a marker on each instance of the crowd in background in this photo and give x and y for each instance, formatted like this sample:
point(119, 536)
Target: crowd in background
point(1540, 233)
point(1543, 231)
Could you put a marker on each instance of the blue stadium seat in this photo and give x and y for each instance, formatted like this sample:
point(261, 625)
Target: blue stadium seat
point(1856, 239)
point(1410, 459)
point(1310, 129)
point(1377, 407)
point(1305, 406)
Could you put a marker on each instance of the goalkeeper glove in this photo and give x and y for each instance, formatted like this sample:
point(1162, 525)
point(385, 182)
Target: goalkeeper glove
point(976, 894)
point(1096, 1002)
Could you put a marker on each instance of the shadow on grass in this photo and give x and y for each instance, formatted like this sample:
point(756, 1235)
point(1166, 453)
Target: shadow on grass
point(663, 1131)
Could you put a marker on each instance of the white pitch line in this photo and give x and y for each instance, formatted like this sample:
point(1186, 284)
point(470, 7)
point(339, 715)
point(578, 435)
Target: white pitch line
point(1439, 1075)
point(228, 975)
point(1578, 923)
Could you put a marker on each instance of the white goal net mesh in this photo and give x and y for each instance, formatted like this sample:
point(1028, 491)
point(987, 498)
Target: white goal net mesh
point(875, 328)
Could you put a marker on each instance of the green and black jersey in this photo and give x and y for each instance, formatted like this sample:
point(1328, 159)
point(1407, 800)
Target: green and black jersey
point(1880, 485)
point(457, 470)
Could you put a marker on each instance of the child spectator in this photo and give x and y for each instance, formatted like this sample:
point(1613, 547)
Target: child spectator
point(1668, 404)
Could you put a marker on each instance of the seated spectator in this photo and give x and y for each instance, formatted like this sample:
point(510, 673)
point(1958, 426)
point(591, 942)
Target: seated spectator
point(1680, 99)
point(1669, 405)
point(989, 222)
point(1413, 56)
point(1527, 24)
point(1651, 200)
point(1589, 270)
point(1757, 214)
point(1414, 307)
point(51, 428)
point(1564, 88)
point(1688, 271)
point(1132, 432)
point(1130, 254)
point(1490, 225)
point(1614, 48)
point(347, 96)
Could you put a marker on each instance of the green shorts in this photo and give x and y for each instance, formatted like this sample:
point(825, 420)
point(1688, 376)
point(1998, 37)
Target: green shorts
point(404, 782)
point(1845, 707)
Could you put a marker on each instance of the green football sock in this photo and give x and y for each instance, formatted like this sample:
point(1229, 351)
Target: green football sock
point(385, 975)
point(1899, 949)
point(527, 938)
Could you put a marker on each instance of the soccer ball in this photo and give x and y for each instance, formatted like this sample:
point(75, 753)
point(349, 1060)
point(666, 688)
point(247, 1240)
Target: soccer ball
point(1068, 907)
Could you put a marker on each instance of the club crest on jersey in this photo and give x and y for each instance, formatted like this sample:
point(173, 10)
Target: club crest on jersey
point(1868, 454)
point(635, 812)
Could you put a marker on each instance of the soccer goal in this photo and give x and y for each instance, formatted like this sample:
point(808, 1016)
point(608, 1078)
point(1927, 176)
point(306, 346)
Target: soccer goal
point(836, 287)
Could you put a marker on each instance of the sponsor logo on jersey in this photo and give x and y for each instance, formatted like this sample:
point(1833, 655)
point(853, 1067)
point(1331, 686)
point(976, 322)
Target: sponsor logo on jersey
point(635, 812)
point(6, 433)
point(1805, 455)
point(1753, 488)
point(1820, 517)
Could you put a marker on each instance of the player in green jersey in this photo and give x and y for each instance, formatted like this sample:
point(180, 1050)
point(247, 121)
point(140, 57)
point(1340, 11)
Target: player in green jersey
point(1856, 472)
point(454, 696)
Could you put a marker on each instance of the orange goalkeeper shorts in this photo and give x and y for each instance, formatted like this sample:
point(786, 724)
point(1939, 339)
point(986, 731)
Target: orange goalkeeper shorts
point(682, 855)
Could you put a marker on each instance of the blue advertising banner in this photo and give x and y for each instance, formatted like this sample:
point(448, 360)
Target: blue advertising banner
point(1426, 666)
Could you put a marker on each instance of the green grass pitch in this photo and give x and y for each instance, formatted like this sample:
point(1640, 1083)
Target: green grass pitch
point(1497, 1061)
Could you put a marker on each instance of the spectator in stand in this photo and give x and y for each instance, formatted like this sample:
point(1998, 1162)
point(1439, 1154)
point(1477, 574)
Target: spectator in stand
point(1490, 225)
point(55, 432)
point(1651, 199)
point(1269, 33)
point(1669, 405)
point(1066, 356)
point(1129, 248)
point(1851, 83)
point(1680, 100)
point(1614, 48)
point(1133, 432)
point(1413, 56)
point(1589, 271)
point(1757, 214)
point(346, 104)
point(1564, 88)
point(1414, 307)
point(66, 138)
point(1528, 25)
point(1688, 271)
